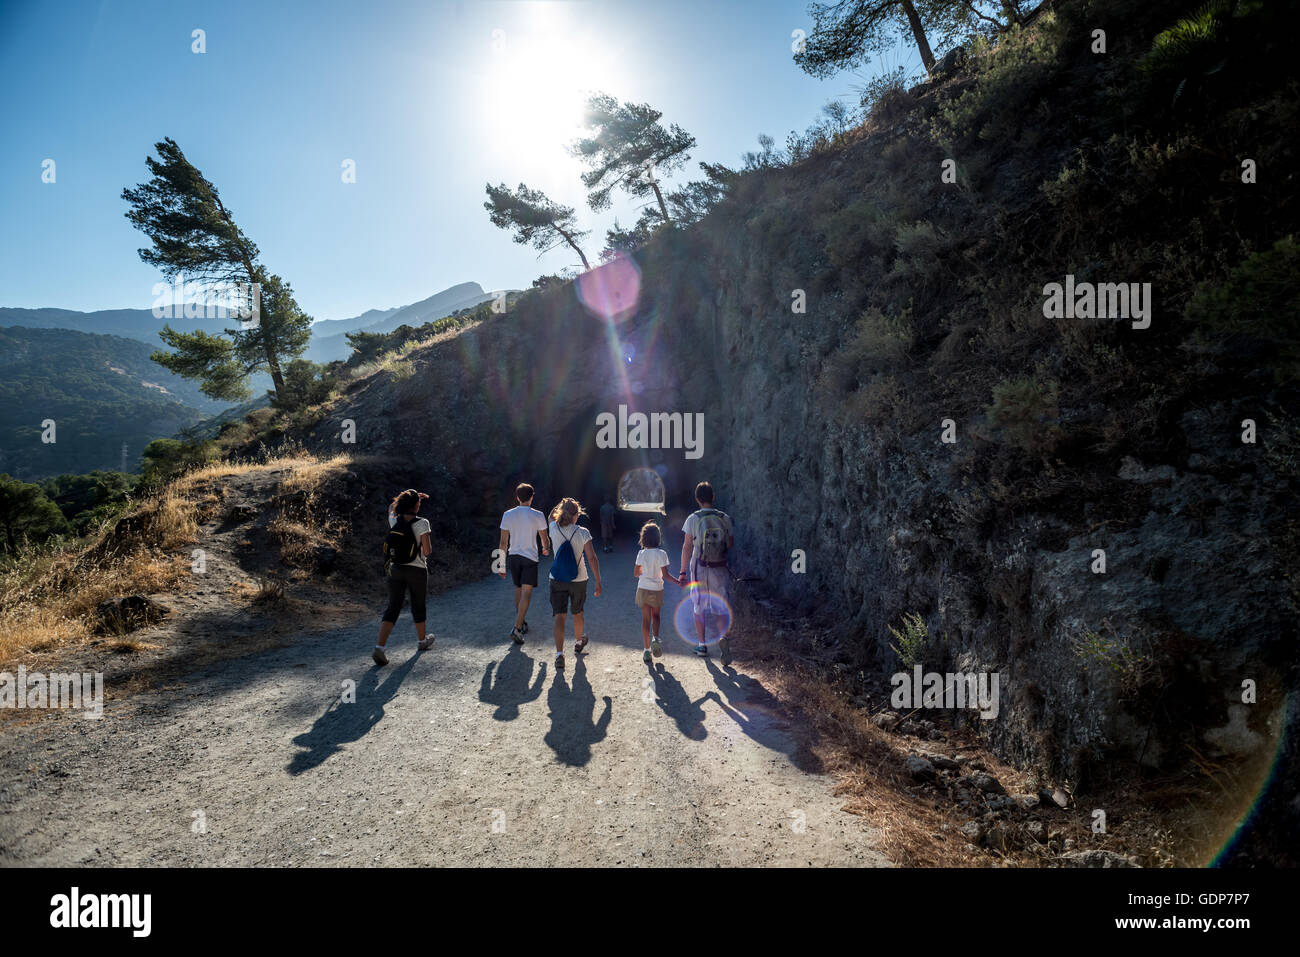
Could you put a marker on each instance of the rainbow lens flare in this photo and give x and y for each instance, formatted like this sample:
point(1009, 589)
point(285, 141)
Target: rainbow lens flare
point(611, 291)
point(711, 606)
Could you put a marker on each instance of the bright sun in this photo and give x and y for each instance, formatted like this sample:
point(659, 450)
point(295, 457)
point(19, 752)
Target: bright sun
point(535, 93)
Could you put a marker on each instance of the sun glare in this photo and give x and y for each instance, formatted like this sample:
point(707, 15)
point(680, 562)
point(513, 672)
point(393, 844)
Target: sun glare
point(536, 91)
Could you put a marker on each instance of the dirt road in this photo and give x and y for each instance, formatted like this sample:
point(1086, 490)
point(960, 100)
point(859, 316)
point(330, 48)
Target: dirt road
point(474, 753)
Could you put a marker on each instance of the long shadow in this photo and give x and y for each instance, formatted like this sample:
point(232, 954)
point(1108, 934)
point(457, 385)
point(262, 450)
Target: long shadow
point(344, 723)
point(573, 730)
point(757, 712)
point(673, 701)
point(511, 687)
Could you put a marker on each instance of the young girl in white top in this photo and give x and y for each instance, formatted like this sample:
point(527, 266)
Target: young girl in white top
point(651, 562)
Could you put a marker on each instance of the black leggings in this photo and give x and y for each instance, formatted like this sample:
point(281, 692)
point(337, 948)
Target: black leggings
point(400, 578)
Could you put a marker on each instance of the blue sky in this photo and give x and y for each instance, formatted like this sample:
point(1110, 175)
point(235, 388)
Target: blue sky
point(429, 99)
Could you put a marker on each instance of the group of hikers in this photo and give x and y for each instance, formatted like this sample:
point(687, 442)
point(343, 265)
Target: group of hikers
point(527, 534)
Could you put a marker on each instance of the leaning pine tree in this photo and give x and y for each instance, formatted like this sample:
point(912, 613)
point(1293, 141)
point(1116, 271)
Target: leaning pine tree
point(626, 149)
point(195, 237)
point(534, 218)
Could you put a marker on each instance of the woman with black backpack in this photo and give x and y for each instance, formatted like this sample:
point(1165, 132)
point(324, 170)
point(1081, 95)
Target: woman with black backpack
point(404, 551)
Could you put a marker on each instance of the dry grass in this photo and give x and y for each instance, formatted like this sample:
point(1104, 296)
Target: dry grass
point(48, 597)
point(265, 591)
point(1176, 821)
point(54, 604)
point(309, 472)
point(864, 759)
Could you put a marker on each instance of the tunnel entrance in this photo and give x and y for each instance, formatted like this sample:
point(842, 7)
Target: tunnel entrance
point(643, 484)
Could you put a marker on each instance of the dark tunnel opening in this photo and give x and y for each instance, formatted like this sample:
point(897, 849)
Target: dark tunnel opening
point(578, 468)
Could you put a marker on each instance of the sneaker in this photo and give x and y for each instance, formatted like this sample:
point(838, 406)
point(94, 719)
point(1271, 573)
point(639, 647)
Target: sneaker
point(646, 656)
point(580, 646)
point(516, 636)
point(380, 657)
point(559, 661)
point(523, 629)
point(702, 651)
point(656, 646)
point(426, 644)
point(725, 645)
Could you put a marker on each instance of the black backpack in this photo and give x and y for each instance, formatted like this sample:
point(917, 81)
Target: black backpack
point(400, 545)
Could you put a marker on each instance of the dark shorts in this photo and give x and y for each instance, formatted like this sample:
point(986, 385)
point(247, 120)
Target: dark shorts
point(568, 597)
point(523, 571)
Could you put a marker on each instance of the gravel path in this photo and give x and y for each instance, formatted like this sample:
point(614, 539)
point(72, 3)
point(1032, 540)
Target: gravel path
point(474, 753)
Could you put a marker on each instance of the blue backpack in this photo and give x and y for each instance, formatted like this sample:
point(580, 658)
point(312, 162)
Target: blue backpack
point(565, 566)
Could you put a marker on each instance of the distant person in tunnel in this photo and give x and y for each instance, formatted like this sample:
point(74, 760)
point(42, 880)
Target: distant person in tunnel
point(404, 552)
point(520, 527)
point(704, 557)
point(573, 552)
point(607, 514)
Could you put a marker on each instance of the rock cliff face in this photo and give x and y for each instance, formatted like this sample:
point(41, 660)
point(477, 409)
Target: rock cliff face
point(837, 320)
point(1190, 605)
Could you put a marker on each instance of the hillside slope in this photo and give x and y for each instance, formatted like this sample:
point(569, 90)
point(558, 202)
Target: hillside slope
point(934, 439)
point(102, 392)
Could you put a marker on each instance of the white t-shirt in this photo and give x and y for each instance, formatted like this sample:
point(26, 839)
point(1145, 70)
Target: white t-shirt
point(691, 527)
point(651, 560)
point(578, 537)
point(419, 527)
point(523, 522)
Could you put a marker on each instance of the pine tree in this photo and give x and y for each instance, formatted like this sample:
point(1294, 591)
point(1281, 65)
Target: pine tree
point(535, 218)
point(195, 237)
point(628, 149)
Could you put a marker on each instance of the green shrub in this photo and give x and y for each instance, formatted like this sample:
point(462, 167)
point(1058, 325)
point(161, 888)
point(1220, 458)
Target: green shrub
point(1115, 655)
point(911, 639)
point(1259, 300)
point(878, 344)
point(859, 232)
point(1024, 412)
point(305, 384)
point(1192, 46)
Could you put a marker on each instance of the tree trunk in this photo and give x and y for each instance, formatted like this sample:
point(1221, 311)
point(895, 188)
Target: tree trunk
point(274, 365)
point(660, 196)
point(272, 361)
point(918, 33)
point(569, 239)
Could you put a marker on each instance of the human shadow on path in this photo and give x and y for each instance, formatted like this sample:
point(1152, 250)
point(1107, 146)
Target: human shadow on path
point(758, 713)
point(573, 730)
point(343, 723)
point(511, 687)
point(673, 700)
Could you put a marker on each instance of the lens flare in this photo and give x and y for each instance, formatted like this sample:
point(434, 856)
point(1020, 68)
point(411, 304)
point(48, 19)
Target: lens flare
point(611, 291)
point(641, 490)
point(710, 606)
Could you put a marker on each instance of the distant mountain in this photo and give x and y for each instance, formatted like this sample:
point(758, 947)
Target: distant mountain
point(102, 392)
point(131, 323)
point(335, 327)
point(328, 341)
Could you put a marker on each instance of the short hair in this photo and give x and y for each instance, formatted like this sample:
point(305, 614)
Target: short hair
point(704, 493)
point(649, 535)
point(524, 492)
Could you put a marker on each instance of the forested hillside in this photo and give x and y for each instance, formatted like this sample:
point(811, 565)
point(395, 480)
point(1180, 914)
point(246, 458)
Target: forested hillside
point(102, 392)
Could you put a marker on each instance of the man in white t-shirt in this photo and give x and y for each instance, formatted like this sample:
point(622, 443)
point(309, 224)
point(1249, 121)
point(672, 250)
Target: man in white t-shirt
point(704, 560)
point(520, 527)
